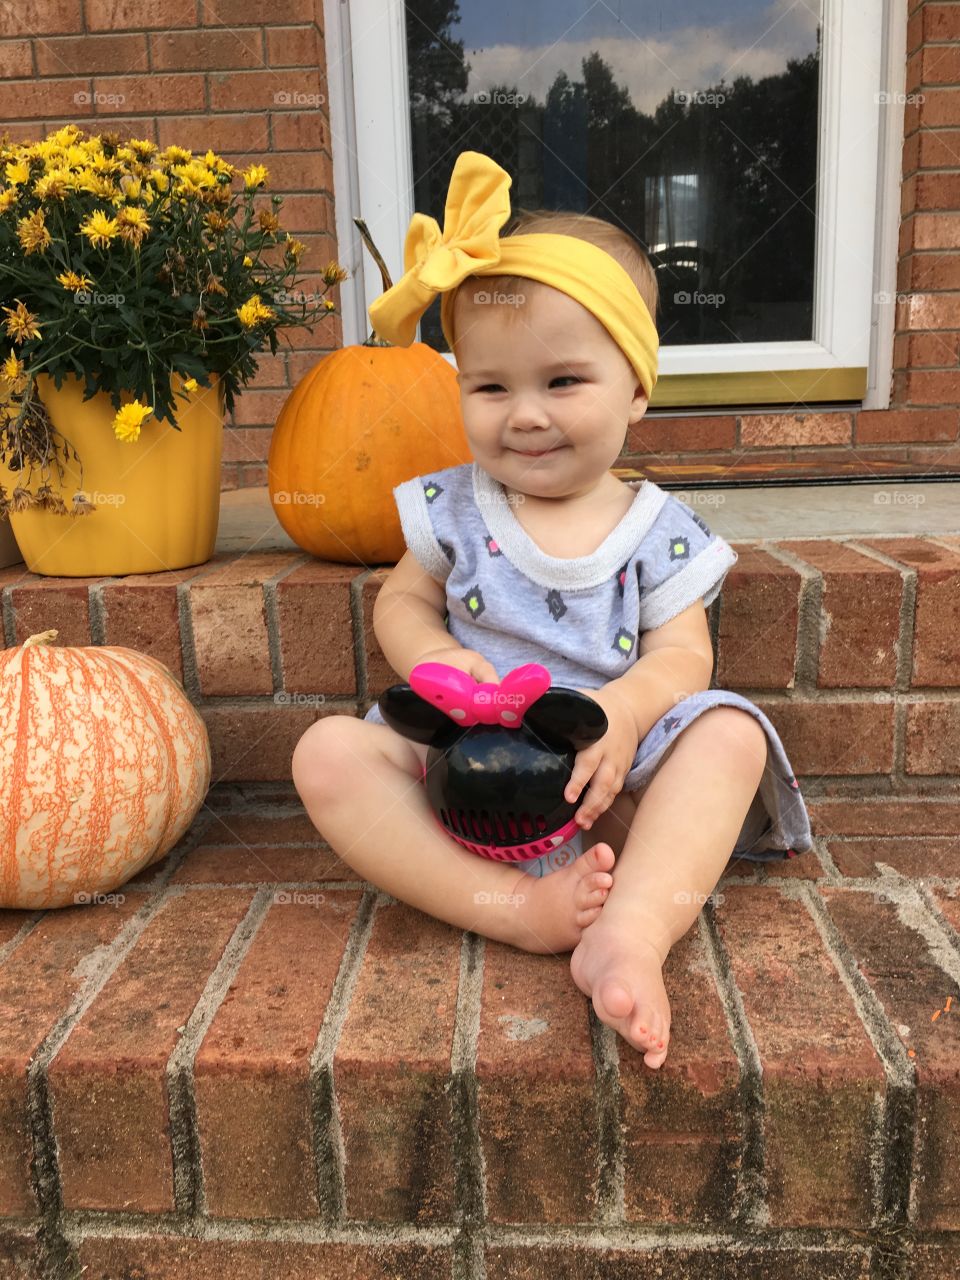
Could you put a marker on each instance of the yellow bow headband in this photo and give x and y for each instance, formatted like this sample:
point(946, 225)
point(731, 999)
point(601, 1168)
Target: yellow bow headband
point(478, 205)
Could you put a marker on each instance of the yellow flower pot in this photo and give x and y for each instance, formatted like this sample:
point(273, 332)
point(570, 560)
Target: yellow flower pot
point(157, 499)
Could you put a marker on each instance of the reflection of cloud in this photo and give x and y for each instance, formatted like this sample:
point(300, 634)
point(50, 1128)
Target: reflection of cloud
point(691, 58)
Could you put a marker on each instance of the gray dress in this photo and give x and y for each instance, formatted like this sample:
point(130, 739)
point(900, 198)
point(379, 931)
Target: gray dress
point(583, 618)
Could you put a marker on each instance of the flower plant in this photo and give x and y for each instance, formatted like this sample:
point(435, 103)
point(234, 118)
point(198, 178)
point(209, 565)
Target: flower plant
point(123, 264)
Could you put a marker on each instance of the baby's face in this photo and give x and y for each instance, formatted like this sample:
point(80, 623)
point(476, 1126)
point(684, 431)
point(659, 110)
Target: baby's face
point(542, 376)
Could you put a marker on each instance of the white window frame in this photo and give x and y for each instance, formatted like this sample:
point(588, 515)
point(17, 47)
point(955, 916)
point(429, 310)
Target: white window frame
point(863, 53)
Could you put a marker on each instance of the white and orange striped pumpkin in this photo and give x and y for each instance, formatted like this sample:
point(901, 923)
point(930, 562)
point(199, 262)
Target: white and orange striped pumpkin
point(103, 765)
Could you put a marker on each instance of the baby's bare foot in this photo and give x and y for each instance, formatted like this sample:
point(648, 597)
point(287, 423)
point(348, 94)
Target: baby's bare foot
point(556, 909)
point(623, 975)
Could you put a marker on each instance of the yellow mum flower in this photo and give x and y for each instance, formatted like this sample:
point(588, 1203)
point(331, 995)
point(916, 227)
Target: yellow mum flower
point(22, 324)
point(70, 280)
point(253, 312)
point(248, 261)
point(7, 198)
point(269, 222)
point(176, 155)
point(129, 419)
point(54, 184)
point(158, 180)
point(254, 176)
point(17, 171)
point(333, 273)
point(99, 229)
point(32, 233)
point(294, 248)
point(189, 385)
point(142, 147)
point(12, 367)
point(130, 186)
point(328, 304)
point(134, 225)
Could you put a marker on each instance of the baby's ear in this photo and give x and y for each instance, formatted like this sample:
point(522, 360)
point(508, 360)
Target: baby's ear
point(407, 714)
point(566, 715)
point(639, 405)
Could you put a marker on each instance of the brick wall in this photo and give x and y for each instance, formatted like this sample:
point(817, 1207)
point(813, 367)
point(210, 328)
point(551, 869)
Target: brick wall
point(205, 73)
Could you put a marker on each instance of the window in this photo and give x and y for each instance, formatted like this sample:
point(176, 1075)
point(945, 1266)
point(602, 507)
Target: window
point(740, 144)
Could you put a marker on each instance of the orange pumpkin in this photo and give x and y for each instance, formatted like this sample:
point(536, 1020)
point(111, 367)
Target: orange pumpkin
point(104, 764)
point(361, 421)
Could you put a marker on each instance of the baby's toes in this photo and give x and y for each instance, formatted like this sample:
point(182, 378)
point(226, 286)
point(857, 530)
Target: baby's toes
point(586, 917)
point(599, 858)
point(592, 890)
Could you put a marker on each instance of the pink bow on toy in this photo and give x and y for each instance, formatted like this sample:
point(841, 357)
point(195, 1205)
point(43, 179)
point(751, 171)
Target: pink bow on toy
point(468, 702)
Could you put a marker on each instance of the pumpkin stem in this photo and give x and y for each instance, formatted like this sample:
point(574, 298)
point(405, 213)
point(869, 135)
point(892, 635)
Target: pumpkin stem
point(365, 236)
point(41, 637)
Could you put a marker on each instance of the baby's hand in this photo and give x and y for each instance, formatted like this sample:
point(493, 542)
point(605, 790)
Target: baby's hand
point(606, 762)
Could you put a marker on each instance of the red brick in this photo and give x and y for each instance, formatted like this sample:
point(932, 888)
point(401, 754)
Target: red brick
point(292, 171)
point(380, 675)
point(933, 350)
point(271, 371)
point(113, 1126)
point(256, 743)
point(925, 271)
point(897, 961)
point(763, 429)
point(391, 1071)
point(938, 148)
point(929, 311)
point(757, 639)
point(911, 154)
point(245, 444)
point(47, 604)
point(169, 1258)
point(315, 624)
point(236, 13)
point(294, 47)
point(141, 612)
point(690, 1106)
point(940, 64)
point(229, 623)
point(88, 55)
point(259, 407)
point(253, 475)
point(252, 1071)
point(933, 387)
point(252, 830)
point(145, 94)
point(933, 738)
point(934, 1261)
point(919, 858)
point(119, 15)
point(879, 425)
point(936, 639)
point(821, 1074)
point(237, 864)
point(834, 738)
point(327, 335)
point(259, 90)
point(299, 131)
point(662, 435)
point(216, 133)
point(935, 230)
point(38, 982)
point(908, 195)
point(937, 190)
point(606, 1261)
point(940, 22)
point(206, 50)
point(304, 213)
point(938, 107)
point(40, 17)
point(535, 1076)
point(36, 99)
point(859, 616)
point(15, 59)
point(905, 815)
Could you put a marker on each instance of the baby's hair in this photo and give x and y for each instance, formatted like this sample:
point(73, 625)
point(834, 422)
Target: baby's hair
point(620, 245)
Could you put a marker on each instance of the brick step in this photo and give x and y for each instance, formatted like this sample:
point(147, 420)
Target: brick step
point(247, 1060)
point(850, 645)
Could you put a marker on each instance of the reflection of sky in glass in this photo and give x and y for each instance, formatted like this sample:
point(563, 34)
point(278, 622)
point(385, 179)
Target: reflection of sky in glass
point(651, 48)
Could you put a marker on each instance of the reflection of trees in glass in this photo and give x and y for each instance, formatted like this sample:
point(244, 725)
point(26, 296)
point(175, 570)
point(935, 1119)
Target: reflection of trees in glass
point(721, 190)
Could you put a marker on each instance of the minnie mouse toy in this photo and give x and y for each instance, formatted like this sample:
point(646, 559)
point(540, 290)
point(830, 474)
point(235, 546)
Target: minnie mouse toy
point(500, 755)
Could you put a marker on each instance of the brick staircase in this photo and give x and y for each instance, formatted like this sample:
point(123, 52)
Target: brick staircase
point(249, 1063)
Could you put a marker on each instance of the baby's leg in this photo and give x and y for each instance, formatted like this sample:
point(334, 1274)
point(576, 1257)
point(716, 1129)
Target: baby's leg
point(680, 840)
point(360, 784)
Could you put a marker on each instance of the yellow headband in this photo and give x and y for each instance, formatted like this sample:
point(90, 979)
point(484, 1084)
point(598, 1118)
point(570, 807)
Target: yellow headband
point(478, 205)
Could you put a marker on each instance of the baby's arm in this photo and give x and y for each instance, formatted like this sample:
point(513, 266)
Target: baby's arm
point(408, 624)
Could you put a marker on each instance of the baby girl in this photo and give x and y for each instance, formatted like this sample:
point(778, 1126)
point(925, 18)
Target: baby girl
point(536, 552)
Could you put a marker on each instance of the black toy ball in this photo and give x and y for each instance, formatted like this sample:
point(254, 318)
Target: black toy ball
point(500, 755)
